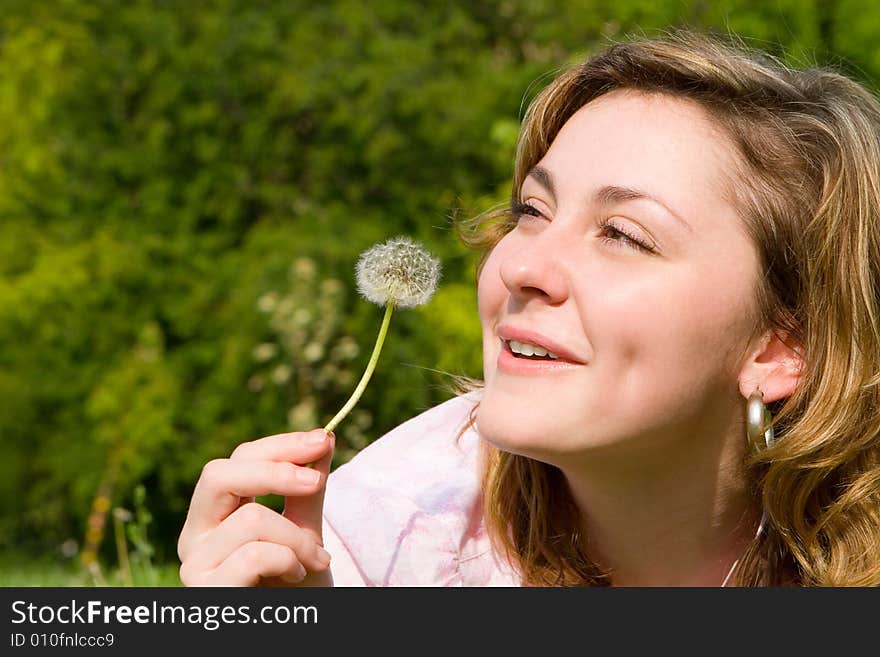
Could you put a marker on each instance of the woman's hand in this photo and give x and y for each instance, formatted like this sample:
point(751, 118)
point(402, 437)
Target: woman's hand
point(230, 540)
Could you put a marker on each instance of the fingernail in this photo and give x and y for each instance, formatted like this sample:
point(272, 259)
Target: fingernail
point(315, 437)
point(295, 575)
point(308, 476)
point(323, 556)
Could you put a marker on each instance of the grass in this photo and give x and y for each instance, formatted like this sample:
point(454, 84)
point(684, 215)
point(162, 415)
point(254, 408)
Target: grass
point(18, 569)
point(133, 564)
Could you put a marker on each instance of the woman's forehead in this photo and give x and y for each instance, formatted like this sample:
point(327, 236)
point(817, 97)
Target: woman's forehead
point(666, 146)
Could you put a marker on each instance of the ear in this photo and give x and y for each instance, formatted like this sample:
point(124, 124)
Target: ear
point(773, 366)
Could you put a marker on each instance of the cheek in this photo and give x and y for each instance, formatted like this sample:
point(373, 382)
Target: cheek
point(688, 324)
point(491, 291)
point(492, 297)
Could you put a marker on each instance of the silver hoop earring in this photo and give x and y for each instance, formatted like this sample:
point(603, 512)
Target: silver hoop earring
point(758, 416)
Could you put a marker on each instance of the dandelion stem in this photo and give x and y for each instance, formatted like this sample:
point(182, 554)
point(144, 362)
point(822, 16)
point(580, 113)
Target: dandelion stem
point(374, 358)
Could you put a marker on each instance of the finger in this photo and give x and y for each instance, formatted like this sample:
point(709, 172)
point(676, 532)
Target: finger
point(299, 447)
point(255, 522)
point(293, 447)
point(307, 511)
point(224, 482)
point(252, 562)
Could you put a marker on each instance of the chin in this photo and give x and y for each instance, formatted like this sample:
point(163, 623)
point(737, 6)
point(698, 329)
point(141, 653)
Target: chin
point(519, 432)
point(557, 438)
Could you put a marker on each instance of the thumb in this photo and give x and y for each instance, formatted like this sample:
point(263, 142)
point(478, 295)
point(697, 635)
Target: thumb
point(307, 510)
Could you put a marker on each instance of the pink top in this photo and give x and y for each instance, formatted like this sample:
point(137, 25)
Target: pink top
point(406, 510)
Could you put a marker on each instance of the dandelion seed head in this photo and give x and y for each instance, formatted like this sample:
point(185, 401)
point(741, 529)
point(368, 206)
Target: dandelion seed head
point(399, 270)
point(313, 352)
point(267, 302)
point(123, 515)
point(281, 374)
point(265, 351)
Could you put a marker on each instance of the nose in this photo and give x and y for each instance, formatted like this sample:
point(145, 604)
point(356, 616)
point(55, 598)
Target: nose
point(534, 270)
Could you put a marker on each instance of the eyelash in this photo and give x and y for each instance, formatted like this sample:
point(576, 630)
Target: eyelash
point(519, 209)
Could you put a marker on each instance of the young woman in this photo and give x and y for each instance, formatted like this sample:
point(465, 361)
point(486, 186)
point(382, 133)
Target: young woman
point(681, 337)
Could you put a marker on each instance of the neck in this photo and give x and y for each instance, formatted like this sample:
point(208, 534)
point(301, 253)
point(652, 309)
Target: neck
point(681, 516)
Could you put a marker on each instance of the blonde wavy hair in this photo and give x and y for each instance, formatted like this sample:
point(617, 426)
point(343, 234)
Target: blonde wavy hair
point(808, 192)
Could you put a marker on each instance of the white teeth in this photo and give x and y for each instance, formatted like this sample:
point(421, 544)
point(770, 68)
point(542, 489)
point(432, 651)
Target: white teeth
point(527, 349)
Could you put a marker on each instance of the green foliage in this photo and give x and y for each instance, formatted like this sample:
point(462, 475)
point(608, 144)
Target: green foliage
point(136, 566)
point(184, 191)
point(17, 569)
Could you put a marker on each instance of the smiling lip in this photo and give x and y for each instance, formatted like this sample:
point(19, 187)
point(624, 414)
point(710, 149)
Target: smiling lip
point(508, 333)
point(511, 364)
point(508, 362)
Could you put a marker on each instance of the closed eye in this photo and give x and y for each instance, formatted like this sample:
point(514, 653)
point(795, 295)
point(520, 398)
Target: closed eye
point(612, 234)
point(518, 209)
point(622, 237)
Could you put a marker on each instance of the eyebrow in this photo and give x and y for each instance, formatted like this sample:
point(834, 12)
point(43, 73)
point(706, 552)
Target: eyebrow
point(607, 195)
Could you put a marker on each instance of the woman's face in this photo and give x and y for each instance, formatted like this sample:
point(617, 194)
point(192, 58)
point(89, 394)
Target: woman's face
point(658, 337)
